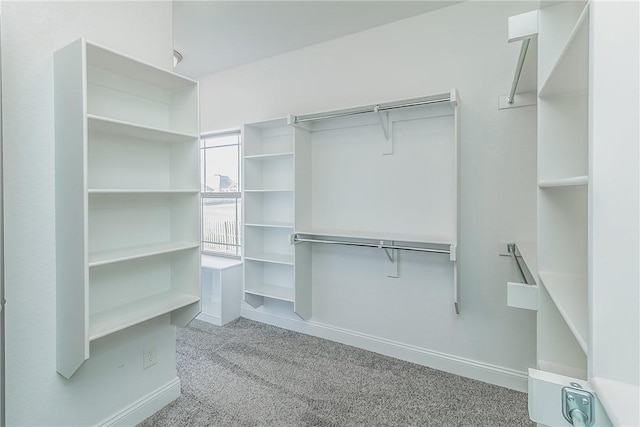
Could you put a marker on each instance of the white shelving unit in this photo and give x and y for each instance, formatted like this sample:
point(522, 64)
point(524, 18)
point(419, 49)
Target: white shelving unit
point(299, 180)
point(269, 162)
point(563, 181)
point(127, 201)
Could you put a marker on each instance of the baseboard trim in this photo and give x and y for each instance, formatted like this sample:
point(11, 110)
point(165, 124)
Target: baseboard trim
point(146, 406)
point(214, 320)
point(481, 371)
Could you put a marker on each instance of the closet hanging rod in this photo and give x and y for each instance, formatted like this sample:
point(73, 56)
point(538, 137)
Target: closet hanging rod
point(297, 239)
point(368, 109)
point(518, 73)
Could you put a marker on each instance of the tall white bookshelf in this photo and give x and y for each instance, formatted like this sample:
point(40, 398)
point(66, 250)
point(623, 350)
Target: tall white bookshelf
point(268, 167)
point(563, 180)
point(127, 197)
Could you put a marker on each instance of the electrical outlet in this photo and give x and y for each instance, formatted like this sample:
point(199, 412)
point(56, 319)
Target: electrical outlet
point(149, 356)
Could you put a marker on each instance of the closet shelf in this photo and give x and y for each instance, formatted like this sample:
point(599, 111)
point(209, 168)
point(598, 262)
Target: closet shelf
point(272, 190)
point(269, 224)
point(376, 235)
point(120, 255)
point(286, 155)
point(133, 130)
point(270, 257)
point(119, 318)
point(271, 291)
point(573, 181)
point(140, 191)
point(105, 58)
point(569, 294)
point(569, 74)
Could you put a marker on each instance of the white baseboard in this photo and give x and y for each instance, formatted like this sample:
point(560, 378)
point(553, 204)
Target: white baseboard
point(214, 320)
point(146, 406)
point(469, 368)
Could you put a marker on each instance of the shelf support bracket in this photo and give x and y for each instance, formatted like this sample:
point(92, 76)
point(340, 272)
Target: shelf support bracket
point(392, 255)
point(385, 122)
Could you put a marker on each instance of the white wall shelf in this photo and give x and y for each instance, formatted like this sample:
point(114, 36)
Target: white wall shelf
point(380, 235)
point(271, 291)
point(274, 224)
point(133, 130)
point(114, 320)
point(119, 255)
point(574, 181)
point(270, 257)
point(287, 155)
point(127, 198)
point(139, 191)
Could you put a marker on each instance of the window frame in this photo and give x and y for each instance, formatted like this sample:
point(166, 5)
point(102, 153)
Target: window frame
point(237, 195)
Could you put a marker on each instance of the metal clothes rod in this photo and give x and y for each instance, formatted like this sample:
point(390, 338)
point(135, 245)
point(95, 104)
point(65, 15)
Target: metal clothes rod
point(516, 77)
point(371, 109)
point(371, 245)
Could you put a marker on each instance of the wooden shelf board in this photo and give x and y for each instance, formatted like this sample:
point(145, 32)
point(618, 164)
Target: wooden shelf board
point(270, 224)
point(376, 235)
point(569, 293)
point(140, 191)
point(110, 321)
point(120, 255)
point(270, 257)
point(271, 291)
point(133, 130)
point(269, 156)
point(569, 74)
point(573, 181)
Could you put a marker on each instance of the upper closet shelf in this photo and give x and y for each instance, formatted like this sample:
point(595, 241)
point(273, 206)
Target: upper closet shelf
point(450, 97)
point(378, 235)
point(107, 59)
point(286, 155)
point(133, 130)
point(570, 72)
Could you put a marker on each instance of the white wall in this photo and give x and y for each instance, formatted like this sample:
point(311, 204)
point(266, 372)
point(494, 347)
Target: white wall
point(113, 377)
point(462, 46)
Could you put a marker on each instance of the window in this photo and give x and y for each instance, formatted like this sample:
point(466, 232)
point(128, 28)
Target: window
point(220, 189)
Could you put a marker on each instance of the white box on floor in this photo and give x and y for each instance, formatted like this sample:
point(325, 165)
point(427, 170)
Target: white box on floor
point(221, 289)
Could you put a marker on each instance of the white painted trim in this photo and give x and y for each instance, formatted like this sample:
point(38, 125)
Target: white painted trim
point(481, 371)
point(209, 318)
point(146, 406)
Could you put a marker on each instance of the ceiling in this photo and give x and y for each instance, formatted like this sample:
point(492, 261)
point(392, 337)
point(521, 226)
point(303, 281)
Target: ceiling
point(216, 35)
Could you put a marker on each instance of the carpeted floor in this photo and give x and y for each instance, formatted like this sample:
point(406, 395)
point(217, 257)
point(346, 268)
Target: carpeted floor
point(250, 374)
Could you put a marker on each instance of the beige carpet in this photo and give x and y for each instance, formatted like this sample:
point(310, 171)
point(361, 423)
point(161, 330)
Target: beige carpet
point(251, 374)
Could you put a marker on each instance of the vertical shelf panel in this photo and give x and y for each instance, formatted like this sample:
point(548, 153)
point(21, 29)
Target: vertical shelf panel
point(563, 193)
point(72, 324)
